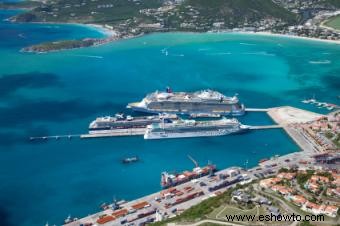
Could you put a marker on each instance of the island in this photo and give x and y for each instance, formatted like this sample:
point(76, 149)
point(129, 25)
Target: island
point(126, 19)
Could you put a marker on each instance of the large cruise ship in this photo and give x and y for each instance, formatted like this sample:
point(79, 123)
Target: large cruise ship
point(119, 122)
point(191, 128)
point(204, 101)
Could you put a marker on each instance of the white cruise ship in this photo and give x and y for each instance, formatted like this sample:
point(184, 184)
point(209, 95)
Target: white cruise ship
point(192, 128)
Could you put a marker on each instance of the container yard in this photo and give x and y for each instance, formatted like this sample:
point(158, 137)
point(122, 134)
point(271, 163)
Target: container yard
point(167, 202)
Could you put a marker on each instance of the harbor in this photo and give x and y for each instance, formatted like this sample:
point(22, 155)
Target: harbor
point(175, 199)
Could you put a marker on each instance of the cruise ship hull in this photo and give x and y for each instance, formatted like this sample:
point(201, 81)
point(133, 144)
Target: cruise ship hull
point(166, 135)
point(135, 107)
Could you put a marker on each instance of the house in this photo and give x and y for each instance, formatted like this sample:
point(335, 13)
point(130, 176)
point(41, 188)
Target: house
point(283, 190)
point(298, 200)
point(287, 176)
point(319, 179)
point(311, 208)
point(330, 211)
point(267, 183)
point(312, 186)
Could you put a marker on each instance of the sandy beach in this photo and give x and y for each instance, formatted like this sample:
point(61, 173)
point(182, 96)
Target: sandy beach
point(337, 42)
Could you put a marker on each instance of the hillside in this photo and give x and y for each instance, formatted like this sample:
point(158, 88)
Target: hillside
point(201, 13)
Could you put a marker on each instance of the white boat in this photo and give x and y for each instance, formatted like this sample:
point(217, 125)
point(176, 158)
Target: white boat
point(192, 128)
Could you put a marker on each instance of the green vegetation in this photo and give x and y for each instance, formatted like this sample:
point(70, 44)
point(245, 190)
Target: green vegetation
point(52, 46)
point(98, 12)
point(302, 178)
point(334, 22)
point(19, 5)
point(305, 223)
point(231, 12)
point(326, 174)
point(334, 3)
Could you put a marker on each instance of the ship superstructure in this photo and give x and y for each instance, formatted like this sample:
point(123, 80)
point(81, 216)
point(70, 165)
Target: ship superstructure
point(204, 101)
point(173, 179)
point(192, 128)
point(120, 122)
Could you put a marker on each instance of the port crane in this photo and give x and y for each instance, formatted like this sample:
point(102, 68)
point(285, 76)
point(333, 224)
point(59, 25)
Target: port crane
point(193, 160)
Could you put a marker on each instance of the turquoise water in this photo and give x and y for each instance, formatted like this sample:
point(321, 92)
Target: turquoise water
point(60, 93)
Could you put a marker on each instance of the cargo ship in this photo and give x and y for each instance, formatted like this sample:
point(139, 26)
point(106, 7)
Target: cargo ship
point(169, 180)
point(192, 128)
point(122, 123)
point(203, 101)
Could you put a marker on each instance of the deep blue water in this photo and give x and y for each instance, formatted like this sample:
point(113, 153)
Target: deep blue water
point(60, 93)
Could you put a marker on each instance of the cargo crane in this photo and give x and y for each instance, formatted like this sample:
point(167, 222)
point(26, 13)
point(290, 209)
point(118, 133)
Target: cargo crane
point(193, 160)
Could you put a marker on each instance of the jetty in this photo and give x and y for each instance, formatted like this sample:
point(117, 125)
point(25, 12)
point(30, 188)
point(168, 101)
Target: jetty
point(55, 137)
point(266, 127)
point(289, 118)
point(257, 109)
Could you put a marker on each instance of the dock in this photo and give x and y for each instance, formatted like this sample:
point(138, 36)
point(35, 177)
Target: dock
point(289, 119)
point(266, 127)
point(55, 137)
point(257, 109)
point(136, 211)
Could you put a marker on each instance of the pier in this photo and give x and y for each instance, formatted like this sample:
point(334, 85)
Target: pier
point(257, 109)
point(266, 127)
point(55, 137)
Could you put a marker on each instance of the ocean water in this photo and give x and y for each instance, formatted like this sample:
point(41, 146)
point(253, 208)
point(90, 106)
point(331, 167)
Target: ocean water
point(61, 92)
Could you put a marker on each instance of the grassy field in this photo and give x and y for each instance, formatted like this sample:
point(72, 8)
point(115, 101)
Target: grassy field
point(334, 22)
point(221, 212)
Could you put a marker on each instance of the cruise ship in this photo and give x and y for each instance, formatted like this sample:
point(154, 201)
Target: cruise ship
point(192, 128)
point(203, 101)
point(120, 122)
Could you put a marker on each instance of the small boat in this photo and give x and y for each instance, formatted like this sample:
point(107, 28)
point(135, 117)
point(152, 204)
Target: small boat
point(130, 160)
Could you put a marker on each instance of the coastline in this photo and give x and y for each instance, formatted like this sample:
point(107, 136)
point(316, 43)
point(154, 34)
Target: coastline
point(270, 34)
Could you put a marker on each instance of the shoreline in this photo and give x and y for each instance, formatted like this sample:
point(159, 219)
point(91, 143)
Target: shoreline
point(112, 36)
point(270, 34)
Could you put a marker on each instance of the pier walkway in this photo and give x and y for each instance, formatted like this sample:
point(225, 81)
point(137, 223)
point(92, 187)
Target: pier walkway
point(266, 127)
point(258, 109)
point(55, 137)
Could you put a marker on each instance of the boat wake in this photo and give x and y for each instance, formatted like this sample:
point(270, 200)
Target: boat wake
point(247, 44)
point(261, 53)
point(203, 49)
point(218, 54)
point(88, 56)
point(320, 62)
point(177, 55)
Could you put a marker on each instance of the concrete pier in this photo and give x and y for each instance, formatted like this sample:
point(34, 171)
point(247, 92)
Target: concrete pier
point(257, 109)
point(266, 127)
point(290, 118)
point(55, 137)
